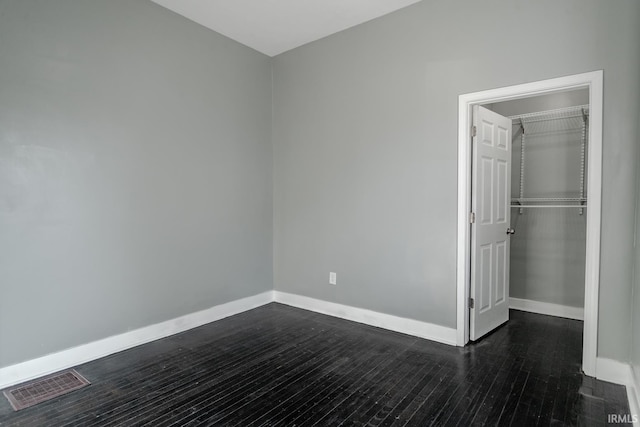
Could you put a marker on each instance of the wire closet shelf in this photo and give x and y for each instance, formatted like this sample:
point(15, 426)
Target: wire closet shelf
point(562, 120)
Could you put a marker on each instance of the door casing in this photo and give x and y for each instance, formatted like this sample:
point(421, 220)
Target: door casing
point(593, 81)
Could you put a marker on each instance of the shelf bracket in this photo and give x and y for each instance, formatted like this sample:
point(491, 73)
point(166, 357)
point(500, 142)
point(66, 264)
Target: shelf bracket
point(522, 145)
point(583, 150)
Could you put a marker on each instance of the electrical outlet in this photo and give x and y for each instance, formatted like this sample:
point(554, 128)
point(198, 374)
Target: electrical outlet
point(332, 278)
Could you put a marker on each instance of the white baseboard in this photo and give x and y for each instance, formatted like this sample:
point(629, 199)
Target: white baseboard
point(621, 373)
point(65, 359)
point(416, 328)
point(576, 313)
point(45, 365)
point(613, 371)
point(606, 369)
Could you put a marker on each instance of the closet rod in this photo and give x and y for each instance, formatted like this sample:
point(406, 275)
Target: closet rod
point(549, 206)
point(578, 110)
point(518, 121)
point(549, 199)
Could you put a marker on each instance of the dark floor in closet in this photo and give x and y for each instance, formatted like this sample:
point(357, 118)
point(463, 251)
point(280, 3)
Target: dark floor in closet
point(278, 365)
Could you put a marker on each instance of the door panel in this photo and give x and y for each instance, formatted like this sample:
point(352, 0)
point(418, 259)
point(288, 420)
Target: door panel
point(501, 281)
point(490, 245)
point(485, 191)
point(485, 265)
point(502, 205)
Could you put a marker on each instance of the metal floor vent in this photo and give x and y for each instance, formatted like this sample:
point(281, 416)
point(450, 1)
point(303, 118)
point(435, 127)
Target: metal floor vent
point(43, 389)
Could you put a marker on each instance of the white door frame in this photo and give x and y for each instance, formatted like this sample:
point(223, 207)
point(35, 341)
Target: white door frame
point(593, 81)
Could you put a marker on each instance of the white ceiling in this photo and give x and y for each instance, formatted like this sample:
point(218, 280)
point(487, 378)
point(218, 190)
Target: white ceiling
point(275, 26)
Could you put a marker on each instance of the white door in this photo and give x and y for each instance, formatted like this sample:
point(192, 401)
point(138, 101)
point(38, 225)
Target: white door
point(491, 227)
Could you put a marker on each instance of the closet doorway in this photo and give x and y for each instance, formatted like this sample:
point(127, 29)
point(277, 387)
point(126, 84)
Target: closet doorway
point(566, 112)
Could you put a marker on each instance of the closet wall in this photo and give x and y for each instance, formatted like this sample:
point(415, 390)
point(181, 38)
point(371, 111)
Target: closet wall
point(548, 249)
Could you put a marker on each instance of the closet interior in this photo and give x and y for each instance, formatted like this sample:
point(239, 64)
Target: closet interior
point(548, 198)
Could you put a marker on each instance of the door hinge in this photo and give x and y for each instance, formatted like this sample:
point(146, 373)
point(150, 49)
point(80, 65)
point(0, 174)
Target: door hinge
point(474, 131)
point(471, 303)
point(472, 218)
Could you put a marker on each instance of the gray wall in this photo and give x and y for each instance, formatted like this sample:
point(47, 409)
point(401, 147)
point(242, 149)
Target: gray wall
point(365, 135)
point(548, 249)
point(135, 171)
point(635, 300)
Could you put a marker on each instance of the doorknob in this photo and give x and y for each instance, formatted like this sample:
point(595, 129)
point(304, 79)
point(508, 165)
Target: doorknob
point(511, 231)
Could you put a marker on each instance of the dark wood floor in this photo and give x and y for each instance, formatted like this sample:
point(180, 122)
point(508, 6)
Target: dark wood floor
point(278, 365)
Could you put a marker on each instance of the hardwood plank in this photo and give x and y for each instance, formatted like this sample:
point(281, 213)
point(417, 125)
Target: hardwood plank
point(292, 409)
point(282, 366)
